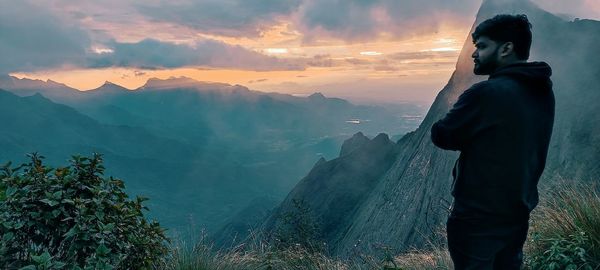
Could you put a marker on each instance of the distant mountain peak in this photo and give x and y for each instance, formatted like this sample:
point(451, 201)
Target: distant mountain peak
point(109, 87)
point(321, 160)
point(355, 142)
point(171, 82)
point(240, 87)
point(37, 97)
point(55, 83)
point(178, 83)
point(359, 135)
point(317, 96)
point(13, 83)
point(381, 137)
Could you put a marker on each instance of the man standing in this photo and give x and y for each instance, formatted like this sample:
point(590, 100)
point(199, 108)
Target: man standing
point(502, 128)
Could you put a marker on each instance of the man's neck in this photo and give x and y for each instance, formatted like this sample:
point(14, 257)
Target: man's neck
point(507, 63)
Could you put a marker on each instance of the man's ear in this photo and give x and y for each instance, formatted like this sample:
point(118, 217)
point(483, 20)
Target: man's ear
point(507, 48)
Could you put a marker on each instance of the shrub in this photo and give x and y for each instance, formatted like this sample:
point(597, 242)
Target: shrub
point(565, 233)
point(299, 227)
point(74, 218)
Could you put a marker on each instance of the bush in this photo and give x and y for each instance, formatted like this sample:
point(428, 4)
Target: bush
point(565, 233)
point(73, 218)
point(299, 227)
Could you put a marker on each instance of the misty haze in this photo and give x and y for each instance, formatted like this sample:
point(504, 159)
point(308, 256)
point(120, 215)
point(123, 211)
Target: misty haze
point(291, 134)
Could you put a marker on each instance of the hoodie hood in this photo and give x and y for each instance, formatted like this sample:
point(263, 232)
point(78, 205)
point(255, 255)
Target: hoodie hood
point(535, 73)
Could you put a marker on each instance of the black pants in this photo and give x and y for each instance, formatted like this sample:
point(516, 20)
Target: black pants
point(476, 245)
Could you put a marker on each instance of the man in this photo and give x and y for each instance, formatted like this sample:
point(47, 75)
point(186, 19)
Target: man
point(502, 128)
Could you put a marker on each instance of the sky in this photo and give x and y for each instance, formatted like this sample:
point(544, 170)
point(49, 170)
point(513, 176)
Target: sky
point(363, 50)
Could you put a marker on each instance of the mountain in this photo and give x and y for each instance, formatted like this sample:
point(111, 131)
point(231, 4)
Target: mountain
point(207, 106)
point(108, 88)
point(36, 124)
point(410, 200)
point(333, 190)
point(355, 142)
point(201, 151)
point(181, 82)
point(27, 87)
point(35, 120)
point(245, 222)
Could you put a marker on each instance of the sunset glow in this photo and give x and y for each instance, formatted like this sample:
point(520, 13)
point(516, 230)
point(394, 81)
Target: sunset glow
point(290, 48)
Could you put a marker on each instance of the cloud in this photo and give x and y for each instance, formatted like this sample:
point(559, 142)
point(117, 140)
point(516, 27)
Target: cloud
point(257, 81)
point(222, 17)
point(424, 55)
point(367, 20)
point(38, 35)
point(350, 20)
point(321, 60)
point(584, 9)
point(357, 62)
point(33, 38)
point(361, 20)
point(385, 65)
point(151, 54)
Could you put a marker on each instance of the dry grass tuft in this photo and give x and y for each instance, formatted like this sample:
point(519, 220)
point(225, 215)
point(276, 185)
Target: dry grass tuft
point(564, 234)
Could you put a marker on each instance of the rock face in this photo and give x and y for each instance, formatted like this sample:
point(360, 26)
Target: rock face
point(356, 141)
point(334, 189)
point(411, 199)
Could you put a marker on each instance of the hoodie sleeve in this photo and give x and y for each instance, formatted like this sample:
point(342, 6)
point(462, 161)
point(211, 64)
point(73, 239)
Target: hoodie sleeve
point(457, 128)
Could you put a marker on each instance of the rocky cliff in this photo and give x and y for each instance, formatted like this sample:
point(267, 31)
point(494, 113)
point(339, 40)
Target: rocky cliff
point(410, 200)
point(335, 189)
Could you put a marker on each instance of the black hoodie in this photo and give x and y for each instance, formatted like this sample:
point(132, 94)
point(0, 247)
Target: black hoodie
point(502, 128)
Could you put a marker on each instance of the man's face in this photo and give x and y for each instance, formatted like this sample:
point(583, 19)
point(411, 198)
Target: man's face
point(485, 56)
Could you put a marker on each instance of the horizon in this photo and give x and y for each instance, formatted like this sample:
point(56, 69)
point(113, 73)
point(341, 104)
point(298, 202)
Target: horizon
point(371, 52)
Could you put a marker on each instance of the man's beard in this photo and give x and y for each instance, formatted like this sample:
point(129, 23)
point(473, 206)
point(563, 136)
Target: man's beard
point(486, 67)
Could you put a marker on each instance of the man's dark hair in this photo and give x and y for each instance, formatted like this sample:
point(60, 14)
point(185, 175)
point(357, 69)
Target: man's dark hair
point(504, 28)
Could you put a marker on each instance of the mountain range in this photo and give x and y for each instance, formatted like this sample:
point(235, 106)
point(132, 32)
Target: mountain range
point(200, 151)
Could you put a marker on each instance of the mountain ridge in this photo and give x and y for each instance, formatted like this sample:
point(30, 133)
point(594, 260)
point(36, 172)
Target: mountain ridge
point(411, 200)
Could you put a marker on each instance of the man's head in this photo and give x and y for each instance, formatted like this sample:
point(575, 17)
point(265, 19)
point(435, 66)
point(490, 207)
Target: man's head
point(499, 41)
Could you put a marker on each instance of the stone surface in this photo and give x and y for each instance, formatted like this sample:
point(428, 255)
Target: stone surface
point(410, 200)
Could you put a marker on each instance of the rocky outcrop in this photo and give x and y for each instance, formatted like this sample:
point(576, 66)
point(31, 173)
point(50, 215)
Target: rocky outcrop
point(355, 142)
point(333, 190)
point(412, 198)
point(409, 201)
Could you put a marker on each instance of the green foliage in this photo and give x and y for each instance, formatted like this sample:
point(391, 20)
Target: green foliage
point(298, 227)
point(563, 253)
point(74, 218)
point(565, 233)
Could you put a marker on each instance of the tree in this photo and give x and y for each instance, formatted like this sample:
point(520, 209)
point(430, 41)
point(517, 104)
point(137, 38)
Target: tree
point(299, 227)
point(74, 218)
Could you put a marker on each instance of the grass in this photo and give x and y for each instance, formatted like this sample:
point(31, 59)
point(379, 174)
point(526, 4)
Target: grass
point(257, 254)
point(254, 254)
point(565, 229)
point(437, 258)
point(564, 234)
point(202, 257)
